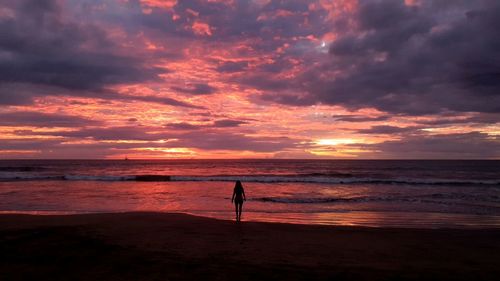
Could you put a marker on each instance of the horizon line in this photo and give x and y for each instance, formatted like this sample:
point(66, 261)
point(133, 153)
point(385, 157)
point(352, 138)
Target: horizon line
point(309, 159)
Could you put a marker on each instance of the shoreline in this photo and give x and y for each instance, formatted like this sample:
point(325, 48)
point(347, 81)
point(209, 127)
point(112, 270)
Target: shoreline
point(349, 218)
point(175, 246)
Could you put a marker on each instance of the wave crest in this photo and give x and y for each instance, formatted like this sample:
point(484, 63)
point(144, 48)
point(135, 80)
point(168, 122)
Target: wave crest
point(314, 178)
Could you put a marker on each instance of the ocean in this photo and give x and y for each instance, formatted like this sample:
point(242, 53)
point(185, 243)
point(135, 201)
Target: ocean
point(373, 193)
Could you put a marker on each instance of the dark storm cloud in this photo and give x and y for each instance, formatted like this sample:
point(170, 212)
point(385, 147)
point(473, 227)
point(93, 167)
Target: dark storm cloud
point(264, 82)
point(226, 123)
point(45, 48)
point(385, 129)
point(359, 118)
point(415, 61)
point(155, 99)
point(288, 99)
point(26, 144)
point(461, 146)
point(223, 123)
point(37, 119)
point(196, 89)
point(408, 59)
point(43, 53)
point(23, 94)
point(231, 66)
point(15, 94)
point(183, 126)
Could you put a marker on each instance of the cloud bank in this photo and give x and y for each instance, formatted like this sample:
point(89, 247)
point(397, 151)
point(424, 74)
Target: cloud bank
point(327, 79)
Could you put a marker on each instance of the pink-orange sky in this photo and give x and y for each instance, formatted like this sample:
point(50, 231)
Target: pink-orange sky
point(249, 79)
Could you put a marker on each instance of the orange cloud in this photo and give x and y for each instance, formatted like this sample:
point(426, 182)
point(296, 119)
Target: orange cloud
point(164, 4)
point(201, 28)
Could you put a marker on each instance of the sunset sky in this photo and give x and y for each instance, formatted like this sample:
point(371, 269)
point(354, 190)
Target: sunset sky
point(249, 79)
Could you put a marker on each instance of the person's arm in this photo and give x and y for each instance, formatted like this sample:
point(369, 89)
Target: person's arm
point(244, 196)
point(234, 193)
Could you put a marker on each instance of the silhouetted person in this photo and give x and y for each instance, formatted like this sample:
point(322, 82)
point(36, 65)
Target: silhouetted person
point(238, 198)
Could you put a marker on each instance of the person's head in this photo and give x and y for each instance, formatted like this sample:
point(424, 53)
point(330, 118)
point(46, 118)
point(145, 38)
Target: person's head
point(238, 183)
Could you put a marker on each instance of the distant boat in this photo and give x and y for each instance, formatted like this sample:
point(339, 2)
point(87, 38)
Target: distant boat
point(126, 158)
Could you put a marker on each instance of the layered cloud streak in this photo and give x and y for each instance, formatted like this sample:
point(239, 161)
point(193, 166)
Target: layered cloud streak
point(218, 79)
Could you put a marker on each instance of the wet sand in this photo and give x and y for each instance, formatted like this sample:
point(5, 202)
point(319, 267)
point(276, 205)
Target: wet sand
point(160, 246)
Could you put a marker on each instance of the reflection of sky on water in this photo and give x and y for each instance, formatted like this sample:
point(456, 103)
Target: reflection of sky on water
point(367, 205)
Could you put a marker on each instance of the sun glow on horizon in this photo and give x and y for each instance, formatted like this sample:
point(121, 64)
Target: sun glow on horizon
point(335, 142)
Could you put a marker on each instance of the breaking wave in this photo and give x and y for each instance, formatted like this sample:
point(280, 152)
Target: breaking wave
point(427, 198)
point(307, 178)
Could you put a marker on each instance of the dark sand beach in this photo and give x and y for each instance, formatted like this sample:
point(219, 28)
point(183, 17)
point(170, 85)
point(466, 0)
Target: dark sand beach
point(161, 246)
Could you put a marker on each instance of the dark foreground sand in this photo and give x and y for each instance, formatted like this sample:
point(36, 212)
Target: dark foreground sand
point(151, 246)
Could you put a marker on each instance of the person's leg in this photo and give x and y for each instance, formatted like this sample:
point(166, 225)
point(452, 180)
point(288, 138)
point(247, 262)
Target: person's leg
point(236, 210)
point(240, 209)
